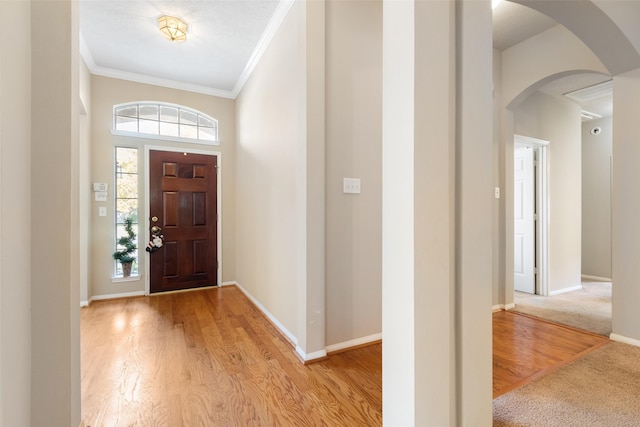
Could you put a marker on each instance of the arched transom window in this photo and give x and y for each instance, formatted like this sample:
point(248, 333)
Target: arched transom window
point(161, 120)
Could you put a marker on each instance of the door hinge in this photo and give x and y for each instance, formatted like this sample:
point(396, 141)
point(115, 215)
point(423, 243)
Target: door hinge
point(535, 216)
point(535, 270)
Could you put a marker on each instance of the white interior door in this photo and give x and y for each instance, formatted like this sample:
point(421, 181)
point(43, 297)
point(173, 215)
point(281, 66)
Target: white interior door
point(523, 221)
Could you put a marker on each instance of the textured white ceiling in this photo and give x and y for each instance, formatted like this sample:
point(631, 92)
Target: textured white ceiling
point(123, 39)
point(120, 38)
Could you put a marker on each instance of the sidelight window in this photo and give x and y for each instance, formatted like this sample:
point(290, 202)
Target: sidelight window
point(126, 198)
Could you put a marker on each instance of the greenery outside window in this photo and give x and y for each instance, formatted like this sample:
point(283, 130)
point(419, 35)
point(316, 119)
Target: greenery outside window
point(126, 198)
point(164, 120)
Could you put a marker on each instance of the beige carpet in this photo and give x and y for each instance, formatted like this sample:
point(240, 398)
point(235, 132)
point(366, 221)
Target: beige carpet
point(588, 309)
point(600, 389)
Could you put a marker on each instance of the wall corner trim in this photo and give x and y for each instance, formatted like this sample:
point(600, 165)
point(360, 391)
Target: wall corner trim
point(309, 357)
point(565, 290)
point(299, 351)
point(623, 339)
point(596, 278)
point(292, 338)
point(230, 283)
point(500, 307)
point(353, 343)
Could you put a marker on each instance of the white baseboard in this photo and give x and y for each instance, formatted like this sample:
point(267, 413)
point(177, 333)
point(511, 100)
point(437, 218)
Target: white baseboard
point(500, 307)
point(565, 290)
point(231, 283)
point(143, 293)
point(122, 295)
point(596, 278)
point(353, 343)
point(306, 357)
point(623, 339)
point(269, 316)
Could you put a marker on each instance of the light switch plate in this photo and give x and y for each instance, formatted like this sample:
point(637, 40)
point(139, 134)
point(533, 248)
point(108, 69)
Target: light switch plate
point(100, 186)
point(102, 211)
point(351, 185)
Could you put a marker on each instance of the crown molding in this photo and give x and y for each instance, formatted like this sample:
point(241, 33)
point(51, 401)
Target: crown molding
point(274, 24)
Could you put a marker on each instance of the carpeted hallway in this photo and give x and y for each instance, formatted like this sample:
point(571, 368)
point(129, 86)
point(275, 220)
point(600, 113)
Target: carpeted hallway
point(588, 309)
point(601, 389)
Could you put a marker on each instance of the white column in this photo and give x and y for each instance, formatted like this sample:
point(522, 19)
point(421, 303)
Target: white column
point(437, 207)
point(55, 295)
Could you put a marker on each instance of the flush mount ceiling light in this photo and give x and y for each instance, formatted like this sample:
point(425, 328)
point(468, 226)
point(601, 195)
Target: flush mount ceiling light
point(173, 28)
point(587, 115)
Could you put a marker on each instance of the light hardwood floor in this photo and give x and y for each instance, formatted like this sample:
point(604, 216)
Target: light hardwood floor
point(526, 348)
point(209, 358)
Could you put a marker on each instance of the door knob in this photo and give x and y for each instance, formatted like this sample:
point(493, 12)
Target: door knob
point(155, 230)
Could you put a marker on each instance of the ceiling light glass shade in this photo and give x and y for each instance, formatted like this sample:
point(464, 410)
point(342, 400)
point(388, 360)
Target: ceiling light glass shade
point(173, 28)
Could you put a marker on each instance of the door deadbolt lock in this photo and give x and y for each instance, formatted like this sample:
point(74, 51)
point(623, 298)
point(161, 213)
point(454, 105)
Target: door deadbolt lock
point(154, 218)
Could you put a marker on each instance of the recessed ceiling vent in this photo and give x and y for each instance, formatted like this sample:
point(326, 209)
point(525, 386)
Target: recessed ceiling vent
point(591, 93)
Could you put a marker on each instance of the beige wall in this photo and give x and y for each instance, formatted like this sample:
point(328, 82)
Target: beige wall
point(270, 179)
point(558, 121)
point(354, 149)
point(107, 92)
point(596, 198)
point(15, 214)
point(280, 180)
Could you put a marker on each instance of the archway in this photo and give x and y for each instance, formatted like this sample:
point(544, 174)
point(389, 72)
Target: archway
point(602, 43)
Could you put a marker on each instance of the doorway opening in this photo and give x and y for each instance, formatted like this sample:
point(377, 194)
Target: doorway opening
point(531, 215)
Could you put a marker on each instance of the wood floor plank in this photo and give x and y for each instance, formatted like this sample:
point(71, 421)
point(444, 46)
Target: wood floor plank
point(525, 348)
point(210, 358)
